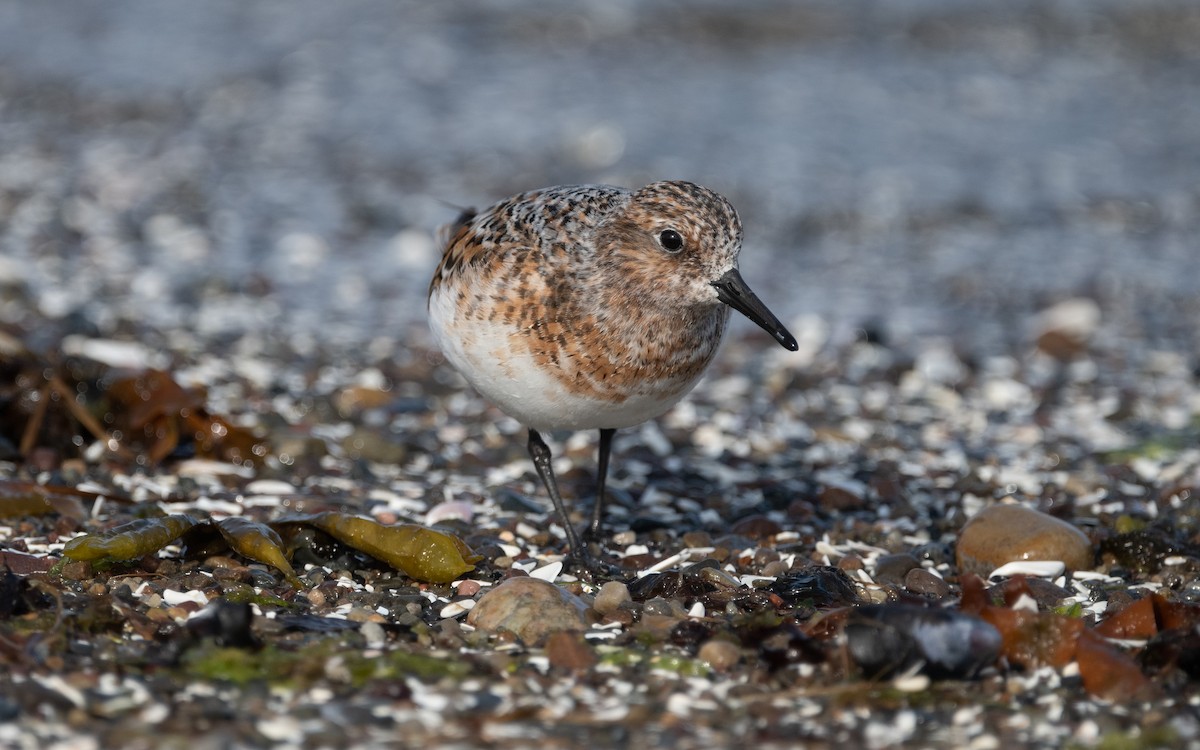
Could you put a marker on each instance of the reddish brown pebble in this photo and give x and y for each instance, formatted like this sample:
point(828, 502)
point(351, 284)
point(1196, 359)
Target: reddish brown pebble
point(837, 498)
point(23, 564)
point(1008, 533)
point(624, 616)
point(469, 588)
point(756, 527)
point(569, 651)
point(850, 562)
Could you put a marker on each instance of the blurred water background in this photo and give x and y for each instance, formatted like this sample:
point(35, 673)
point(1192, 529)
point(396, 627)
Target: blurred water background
point(228, 173)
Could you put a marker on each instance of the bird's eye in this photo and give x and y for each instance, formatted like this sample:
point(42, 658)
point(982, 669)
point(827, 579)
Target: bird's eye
point(671, 240)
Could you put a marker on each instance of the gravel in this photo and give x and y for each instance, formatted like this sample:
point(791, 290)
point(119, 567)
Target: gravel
point(978, 220)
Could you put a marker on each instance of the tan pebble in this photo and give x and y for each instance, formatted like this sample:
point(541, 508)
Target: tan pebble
point(529, 608)
point(624, 538)
point(78, 570)
point(775, 568)
point(221, 561)
point(360, 614)
point(315, 597)
point(356, 399)
point(611, 596)
point(659, 626)
point(1008, 533)
point(720, 654)
point(157, 614)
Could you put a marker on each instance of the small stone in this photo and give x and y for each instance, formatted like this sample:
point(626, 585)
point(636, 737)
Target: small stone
point(469, 588)
point(611, 596)
point(666, 607)
point(850, 562)
point(232, 575)
point(316, 597)
point(623, 615)
point(221, 561)
point(893, 568)
point(357, 399)
point(921, 581)
point(718, 577)
point(514, 502)
point(756, 527)
point(1008, 533)
point(762, 556)
point(157, 614)
point(840, 499)
point(624, 538)
point(659, 627)
point(1046, 594)
point(262, 578)
point(775, 568)
point(720, 654)
point(570, 651)
point(77, 570)
point(800, 511)
point(361, 614)
point(529, 608)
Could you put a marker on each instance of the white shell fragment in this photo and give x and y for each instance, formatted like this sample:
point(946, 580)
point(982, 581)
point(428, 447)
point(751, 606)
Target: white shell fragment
point(1035, 568)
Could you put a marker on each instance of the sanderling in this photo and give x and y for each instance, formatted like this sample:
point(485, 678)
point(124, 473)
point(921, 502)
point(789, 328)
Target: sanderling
point(591, 307)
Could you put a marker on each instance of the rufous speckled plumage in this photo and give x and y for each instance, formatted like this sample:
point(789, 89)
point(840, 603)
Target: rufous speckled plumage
point(591, 307)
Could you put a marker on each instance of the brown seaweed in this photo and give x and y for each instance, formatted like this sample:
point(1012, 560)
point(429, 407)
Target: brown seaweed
point(419, 552)
point(258, 542)
point(159, 416)
point(129, 541)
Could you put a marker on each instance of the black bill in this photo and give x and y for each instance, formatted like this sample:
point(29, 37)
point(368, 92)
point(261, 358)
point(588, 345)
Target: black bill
point(732, 290)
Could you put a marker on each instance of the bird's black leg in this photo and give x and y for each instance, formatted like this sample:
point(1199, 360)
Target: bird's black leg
point(540, 453)
point(597, 524)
